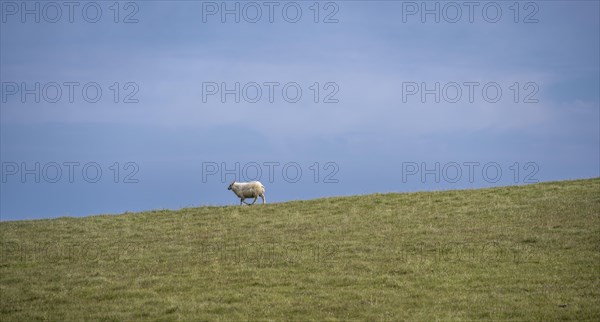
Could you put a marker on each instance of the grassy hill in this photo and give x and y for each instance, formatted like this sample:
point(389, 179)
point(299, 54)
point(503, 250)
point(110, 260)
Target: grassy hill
point(513, 253)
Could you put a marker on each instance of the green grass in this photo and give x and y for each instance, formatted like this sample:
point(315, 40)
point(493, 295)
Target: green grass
point(512, 253)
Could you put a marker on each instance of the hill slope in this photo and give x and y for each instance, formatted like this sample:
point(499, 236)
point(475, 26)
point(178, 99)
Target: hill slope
point(527, 252)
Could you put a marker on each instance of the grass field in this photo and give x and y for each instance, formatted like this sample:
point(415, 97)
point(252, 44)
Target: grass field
point(512, 253)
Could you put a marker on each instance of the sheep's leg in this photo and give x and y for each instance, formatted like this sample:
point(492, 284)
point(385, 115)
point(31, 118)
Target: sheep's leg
point(242, 201)
point(254, 200)
point(263, 199)
point(249, 204)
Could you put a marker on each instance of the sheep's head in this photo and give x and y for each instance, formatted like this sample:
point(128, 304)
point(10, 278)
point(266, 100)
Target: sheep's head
point(230, 186)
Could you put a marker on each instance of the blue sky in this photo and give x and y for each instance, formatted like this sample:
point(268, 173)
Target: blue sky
point(373, 136)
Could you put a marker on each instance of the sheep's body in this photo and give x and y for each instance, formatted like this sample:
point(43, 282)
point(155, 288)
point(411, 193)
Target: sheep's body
point(245, 190)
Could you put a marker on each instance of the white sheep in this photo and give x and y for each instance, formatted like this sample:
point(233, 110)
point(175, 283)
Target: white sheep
point(245, 190)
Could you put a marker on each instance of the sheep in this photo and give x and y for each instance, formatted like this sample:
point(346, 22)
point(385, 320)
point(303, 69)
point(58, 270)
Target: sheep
point(245, 190)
